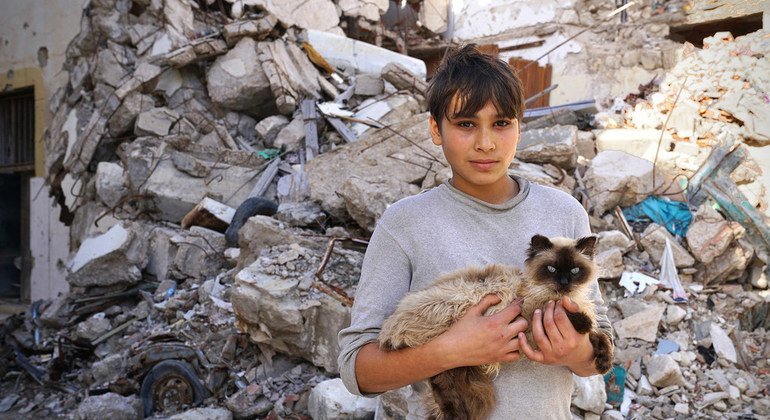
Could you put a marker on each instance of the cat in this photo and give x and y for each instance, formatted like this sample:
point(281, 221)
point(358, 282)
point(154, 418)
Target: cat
point(554, 268)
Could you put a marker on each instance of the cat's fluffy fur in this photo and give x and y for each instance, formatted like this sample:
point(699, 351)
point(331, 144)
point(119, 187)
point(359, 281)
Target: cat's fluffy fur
point(554, 268)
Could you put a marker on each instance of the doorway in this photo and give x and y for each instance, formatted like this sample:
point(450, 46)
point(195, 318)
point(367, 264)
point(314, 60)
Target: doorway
point(17, 164)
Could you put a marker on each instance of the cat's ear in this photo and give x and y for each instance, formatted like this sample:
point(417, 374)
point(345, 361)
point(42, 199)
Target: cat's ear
point(587, 246)
point(539, 243)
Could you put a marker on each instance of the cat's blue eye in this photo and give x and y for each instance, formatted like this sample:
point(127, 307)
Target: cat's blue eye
point(575, 270)
point(552, 269)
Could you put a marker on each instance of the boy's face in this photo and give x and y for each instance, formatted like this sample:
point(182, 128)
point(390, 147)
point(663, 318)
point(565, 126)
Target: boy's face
point(479, 148)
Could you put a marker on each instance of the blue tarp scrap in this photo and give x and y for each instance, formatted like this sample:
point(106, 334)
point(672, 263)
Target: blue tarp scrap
point(615, 385)
point(674, 215)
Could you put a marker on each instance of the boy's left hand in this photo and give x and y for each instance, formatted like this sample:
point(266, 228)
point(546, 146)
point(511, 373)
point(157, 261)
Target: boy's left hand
point(557, 341)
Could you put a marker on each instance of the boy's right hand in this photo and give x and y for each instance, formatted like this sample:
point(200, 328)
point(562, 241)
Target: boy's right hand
point(476, 339)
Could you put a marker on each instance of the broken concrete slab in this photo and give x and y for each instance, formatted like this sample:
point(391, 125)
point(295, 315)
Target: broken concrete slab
point(435, 15)
point(619, 179)
point(237, 81)
point(589, 394)
point(93, 327)
point(110, 406)
point(638, 142)
point(291, 75)
point(123, 119)
point(642, 325)
point(268, 128)
point(209, 214)
point(271, 309)
point(664, 371)
point(261, 232)
point(556, 145)
point(343, 52)
point(199, 253)
point(258, 29)
point(155, 122)
point(653, 241)
point(386, 111)
point(331, 400)
point(369, 85)
point(111, 258)
point(402, 78)
point(611, 239)
point(368, 9)
point(610, 263)
point(204, 413)
point(291, 136)
point(367, 198)
point(176, 193)
point(318, 15)
point(709, 235)
point(401, 154)
point(301, 214)
point(723, 345)
point(111, 183)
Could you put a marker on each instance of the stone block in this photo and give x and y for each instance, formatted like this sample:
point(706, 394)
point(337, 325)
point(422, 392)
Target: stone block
point(654, 242)
point(663, 371)
point(114, 257)
point(236, 80)
point(110, 406)
point(556, 145)
point(331, 400)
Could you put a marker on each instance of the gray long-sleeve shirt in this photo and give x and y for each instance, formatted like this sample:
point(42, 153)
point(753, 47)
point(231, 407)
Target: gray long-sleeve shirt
point(441, 230)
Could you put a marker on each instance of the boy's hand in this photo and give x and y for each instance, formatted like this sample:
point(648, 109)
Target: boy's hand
point(476, 339)
point(558, 342)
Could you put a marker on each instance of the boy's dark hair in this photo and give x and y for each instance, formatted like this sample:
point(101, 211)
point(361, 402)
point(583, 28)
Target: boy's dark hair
point(475, 78)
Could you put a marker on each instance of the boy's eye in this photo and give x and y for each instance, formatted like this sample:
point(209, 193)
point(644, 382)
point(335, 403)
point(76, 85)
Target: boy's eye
point(575, 270)
point(552, 269)
point(502, 123)
point(465, 124)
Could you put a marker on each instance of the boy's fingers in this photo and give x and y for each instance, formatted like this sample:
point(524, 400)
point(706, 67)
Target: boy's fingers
point(551, 330)
point(510, 312)
point(524, 347)
point(484, 304)
point(538, 334)
point(570, 305)
point(562, 320)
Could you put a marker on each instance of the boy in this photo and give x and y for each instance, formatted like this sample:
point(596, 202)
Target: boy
point(481, 216)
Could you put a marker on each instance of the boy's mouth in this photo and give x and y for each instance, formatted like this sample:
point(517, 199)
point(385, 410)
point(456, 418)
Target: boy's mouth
point(483, 164)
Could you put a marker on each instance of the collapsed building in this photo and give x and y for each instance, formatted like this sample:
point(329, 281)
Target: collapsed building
point(220, 166)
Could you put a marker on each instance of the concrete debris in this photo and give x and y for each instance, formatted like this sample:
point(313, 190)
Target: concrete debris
point(115, 257)
point(590, 394)
point(155, 122)
point(663, 371)
point(237, 81)
point(723, 346)
point(209, 214)
point(330, 400)
point(653, 240)
point(642, 325)
point(110, 406)
point(222, 163)
point(556, 145)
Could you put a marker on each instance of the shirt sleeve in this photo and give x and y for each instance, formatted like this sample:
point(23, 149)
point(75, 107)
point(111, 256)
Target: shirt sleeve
point(582, 229)
point(386, 275)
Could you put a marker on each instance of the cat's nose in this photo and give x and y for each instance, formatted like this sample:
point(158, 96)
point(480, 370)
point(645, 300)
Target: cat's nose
point(563, 281)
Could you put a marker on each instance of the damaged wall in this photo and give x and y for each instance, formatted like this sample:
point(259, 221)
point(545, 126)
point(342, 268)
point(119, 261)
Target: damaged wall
point(609, 60)
point(32, 46)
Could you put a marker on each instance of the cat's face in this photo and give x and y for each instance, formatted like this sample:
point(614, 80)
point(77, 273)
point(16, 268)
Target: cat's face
point(560, 263)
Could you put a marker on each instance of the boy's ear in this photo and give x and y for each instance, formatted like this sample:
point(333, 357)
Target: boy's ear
point(435, 131)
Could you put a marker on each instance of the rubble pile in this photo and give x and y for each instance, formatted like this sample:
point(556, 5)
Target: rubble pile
point(221, 165)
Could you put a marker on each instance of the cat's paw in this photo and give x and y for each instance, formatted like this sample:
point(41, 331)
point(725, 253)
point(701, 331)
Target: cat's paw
point(580, 321)
point(603, 352)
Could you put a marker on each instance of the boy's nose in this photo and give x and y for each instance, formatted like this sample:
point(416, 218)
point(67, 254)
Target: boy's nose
point(484, 141)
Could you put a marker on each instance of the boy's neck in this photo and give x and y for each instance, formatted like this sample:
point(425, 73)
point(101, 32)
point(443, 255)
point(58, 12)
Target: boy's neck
point(496, 194)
